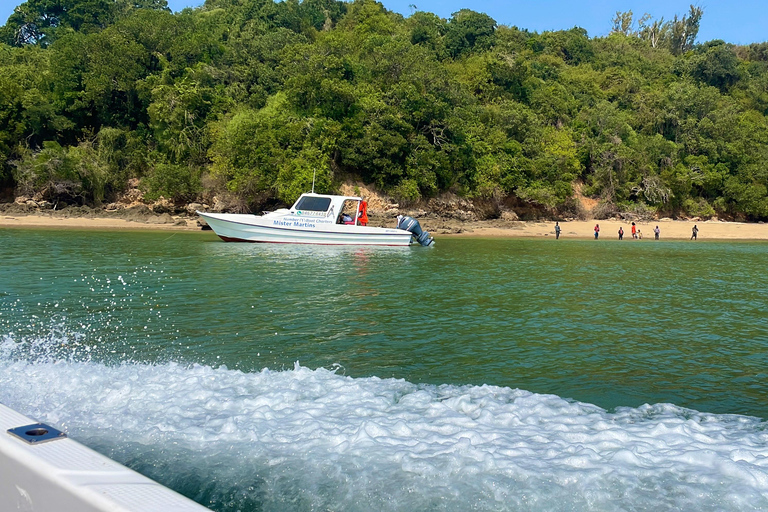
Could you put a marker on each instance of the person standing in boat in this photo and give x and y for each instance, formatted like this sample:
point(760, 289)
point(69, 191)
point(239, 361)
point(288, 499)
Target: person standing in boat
point(362, 213)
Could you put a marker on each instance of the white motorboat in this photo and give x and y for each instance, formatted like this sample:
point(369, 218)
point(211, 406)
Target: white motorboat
point(315, 219)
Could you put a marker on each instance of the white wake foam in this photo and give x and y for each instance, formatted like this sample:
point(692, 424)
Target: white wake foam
point(305, 439)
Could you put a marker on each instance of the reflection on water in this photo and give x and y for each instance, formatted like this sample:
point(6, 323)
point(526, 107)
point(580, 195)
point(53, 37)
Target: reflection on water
point(312, 254)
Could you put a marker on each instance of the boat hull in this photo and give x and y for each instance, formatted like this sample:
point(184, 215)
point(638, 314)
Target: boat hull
point(295, 230)
point(59, 474)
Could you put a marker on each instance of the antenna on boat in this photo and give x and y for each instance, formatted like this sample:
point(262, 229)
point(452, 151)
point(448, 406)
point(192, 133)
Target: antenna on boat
point(314, 171)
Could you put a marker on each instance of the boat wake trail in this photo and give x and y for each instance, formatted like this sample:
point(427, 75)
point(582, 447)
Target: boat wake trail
point(311, 439)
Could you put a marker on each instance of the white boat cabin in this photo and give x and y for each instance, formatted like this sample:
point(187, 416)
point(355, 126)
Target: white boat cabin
point(344, 209)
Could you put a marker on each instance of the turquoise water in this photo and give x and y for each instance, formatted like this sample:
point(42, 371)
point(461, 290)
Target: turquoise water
point(476, 374)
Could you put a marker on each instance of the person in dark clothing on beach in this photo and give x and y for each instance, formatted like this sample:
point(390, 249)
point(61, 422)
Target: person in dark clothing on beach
point(621, 233)
point(557, 230)
point(656, 232)
point(695, 232)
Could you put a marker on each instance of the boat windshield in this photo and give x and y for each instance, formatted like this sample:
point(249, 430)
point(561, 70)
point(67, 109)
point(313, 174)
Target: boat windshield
point(314, 204)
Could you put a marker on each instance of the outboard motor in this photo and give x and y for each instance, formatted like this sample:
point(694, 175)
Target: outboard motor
point(412, 225)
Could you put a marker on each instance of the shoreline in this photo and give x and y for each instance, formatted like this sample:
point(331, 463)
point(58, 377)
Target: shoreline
point(575, 229)
point(584, 230)
point(95, 222)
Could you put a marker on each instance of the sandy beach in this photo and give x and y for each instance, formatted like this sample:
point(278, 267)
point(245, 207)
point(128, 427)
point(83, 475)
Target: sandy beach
point(49, 221)
point(669, 230)
point(576, 229)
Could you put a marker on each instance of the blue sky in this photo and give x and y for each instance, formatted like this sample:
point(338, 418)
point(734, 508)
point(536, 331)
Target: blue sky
point(735, 21)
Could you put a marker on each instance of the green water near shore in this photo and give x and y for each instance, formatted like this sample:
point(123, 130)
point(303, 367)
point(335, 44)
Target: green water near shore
point(613, 324)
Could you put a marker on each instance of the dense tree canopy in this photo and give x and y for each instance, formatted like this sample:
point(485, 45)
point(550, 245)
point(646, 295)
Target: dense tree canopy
point(250, 98)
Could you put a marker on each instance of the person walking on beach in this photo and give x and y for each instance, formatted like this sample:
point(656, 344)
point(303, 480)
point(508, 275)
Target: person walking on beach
point(694, 232)
point(621, 233)
point(634, 230)
point(656, 232)
point(597, 231)
point(557, 230)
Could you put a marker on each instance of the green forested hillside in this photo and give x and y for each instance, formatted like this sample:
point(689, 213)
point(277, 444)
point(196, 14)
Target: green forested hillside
point(247, 98)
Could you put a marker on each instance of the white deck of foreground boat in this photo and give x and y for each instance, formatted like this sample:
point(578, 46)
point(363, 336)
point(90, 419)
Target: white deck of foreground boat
point(62, 475)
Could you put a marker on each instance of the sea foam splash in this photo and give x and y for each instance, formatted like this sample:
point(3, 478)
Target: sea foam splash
point(303, 439)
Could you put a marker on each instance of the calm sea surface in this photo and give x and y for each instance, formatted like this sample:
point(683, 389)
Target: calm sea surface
point(474, 375)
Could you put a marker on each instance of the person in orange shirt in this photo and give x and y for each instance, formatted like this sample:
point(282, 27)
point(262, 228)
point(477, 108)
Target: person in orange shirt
point(362, 213)
point(634, 230)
